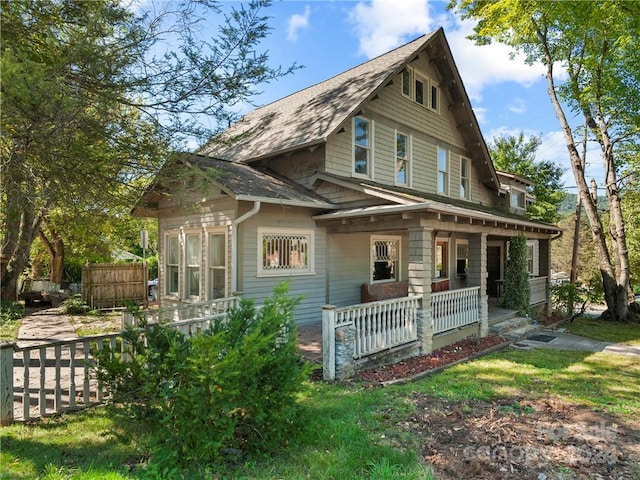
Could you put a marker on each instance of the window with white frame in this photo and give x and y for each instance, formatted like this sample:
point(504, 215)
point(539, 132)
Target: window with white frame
point(464, 178)
point(192, 261)
point(462, 257)
point(402, 158)
point(217, 262)
point(441, 259)
point(362, 146)
point(517, 198)
point(420, 89)
point(385, 258)
point(172, 263)
point(443, 171)
point(284, 251)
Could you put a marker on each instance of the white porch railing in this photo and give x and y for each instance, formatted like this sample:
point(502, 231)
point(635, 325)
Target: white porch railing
point(208, 308)
point(379, 325)
point(538, 289)
point(455, 308)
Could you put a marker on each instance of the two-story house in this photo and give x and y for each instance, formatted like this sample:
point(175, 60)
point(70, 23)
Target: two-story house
point(379, 175)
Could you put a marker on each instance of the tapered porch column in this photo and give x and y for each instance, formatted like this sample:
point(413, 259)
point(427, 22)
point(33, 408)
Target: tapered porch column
point(477, 276)
point(420, 274)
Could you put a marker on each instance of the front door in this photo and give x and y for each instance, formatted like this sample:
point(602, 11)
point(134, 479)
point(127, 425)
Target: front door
point(494, 261)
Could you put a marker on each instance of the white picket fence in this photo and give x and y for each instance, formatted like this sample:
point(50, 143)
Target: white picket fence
point(57, 376)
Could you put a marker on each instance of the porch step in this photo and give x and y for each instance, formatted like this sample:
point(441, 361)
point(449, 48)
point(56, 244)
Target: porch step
point(513, 328)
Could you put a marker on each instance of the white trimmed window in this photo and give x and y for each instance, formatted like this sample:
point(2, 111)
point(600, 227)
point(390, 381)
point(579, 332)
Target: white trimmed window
point(217, 264)
point(420, 89)
point(385, 258)
point(462, 257)
point(443, 171)
point(172, 263)
point(192, 262)
point(517, 198)
point(363, 147)
point(285, 251)
point(403, 153)
point(464, 179)
point(533, 259)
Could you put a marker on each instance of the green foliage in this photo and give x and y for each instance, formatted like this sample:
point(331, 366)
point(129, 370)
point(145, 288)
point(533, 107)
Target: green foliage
point(10, 311)
point(570, 299)
point(152, 265)
point(232, 388)
point(75, 306)
point(515, 155)
point(517, 292)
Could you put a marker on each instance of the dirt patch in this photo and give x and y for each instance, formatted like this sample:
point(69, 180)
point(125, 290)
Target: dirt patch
point(523, 439)
point(445, 356)
point(97, 324)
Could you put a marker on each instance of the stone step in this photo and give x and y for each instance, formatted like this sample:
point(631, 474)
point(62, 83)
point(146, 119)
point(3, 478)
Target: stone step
point(520, 332)
point(508, 324)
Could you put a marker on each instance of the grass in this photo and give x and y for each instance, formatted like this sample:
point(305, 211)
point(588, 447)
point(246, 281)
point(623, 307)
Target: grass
point(350, 431)
point(627, 333)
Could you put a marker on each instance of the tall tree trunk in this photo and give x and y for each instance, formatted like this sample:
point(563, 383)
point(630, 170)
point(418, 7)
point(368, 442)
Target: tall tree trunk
point(55, 248)
point(609, 283)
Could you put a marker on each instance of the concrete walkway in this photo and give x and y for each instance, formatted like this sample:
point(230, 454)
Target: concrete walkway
point(562, 340)
point(43, 326)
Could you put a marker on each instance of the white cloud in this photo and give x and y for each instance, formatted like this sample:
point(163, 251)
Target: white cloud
point(382, 25)
point(298, 22)
point(518, 105)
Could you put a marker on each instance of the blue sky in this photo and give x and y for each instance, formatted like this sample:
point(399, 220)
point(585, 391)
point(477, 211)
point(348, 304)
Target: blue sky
point(328, 37)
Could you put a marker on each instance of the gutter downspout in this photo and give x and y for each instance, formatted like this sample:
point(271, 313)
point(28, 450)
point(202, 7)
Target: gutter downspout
point(234, 244)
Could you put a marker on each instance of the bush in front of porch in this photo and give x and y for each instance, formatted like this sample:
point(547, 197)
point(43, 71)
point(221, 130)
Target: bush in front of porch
point(517, 291)
point(226, 391)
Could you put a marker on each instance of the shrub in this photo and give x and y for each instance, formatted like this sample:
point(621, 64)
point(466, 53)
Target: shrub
point(10, 311)
point(231, 388)
point(75, 306)
point(517, 292)
point(571, 299)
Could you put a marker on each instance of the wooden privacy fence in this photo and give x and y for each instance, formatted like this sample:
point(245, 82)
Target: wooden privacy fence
point(107, 285)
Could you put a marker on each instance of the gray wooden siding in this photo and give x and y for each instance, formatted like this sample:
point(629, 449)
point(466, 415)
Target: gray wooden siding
point(392, 111)
point(349, 265)
point(311, 286)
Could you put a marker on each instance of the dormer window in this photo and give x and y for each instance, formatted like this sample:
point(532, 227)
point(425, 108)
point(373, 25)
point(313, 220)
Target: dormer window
point(517, 199)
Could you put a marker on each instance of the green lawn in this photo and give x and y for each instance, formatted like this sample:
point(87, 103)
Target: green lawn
point(350, 430)
point(628, 333)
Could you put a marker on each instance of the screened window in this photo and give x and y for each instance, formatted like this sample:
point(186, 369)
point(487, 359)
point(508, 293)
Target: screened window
point(284, 252)
point(443, 171)
point(464, 178)
point(402, 159)
point(193, 254)
point(442, 259)
point(172, 264)
point(217, 259)
point(385, 254)
point(462, 258)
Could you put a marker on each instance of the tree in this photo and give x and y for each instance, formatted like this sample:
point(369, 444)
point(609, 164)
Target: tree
point(94, 98)
point(596, 44)
point(515, 155)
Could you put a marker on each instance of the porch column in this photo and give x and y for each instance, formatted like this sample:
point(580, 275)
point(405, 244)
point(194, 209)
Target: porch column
point(420, 274)
point(544, 270)
point(477, 276)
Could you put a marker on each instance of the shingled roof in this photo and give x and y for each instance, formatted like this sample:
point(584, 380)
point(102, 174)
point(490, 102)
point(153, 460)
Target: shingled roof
point(309, 116)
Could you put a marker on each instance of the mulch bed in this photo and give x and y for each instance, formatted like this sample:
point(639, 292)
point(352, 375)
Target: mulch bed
point(445, 356)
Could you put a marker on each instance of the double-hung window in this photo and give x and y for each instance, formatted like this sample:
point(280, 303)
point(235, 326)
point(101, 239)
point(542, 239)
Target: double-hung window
point(385, 258)
point(285, 251)
point(402, 158)
point(217, 261)
point(442, 259)
point(362, 147)
point(462, 257)
point(464, 178)
point(443, 171)
point(192, 261)
point(172, 263)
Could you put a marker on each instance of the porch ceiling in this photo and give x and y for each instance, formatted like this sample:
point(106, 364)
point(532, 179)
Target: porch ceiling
point(434, 215)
